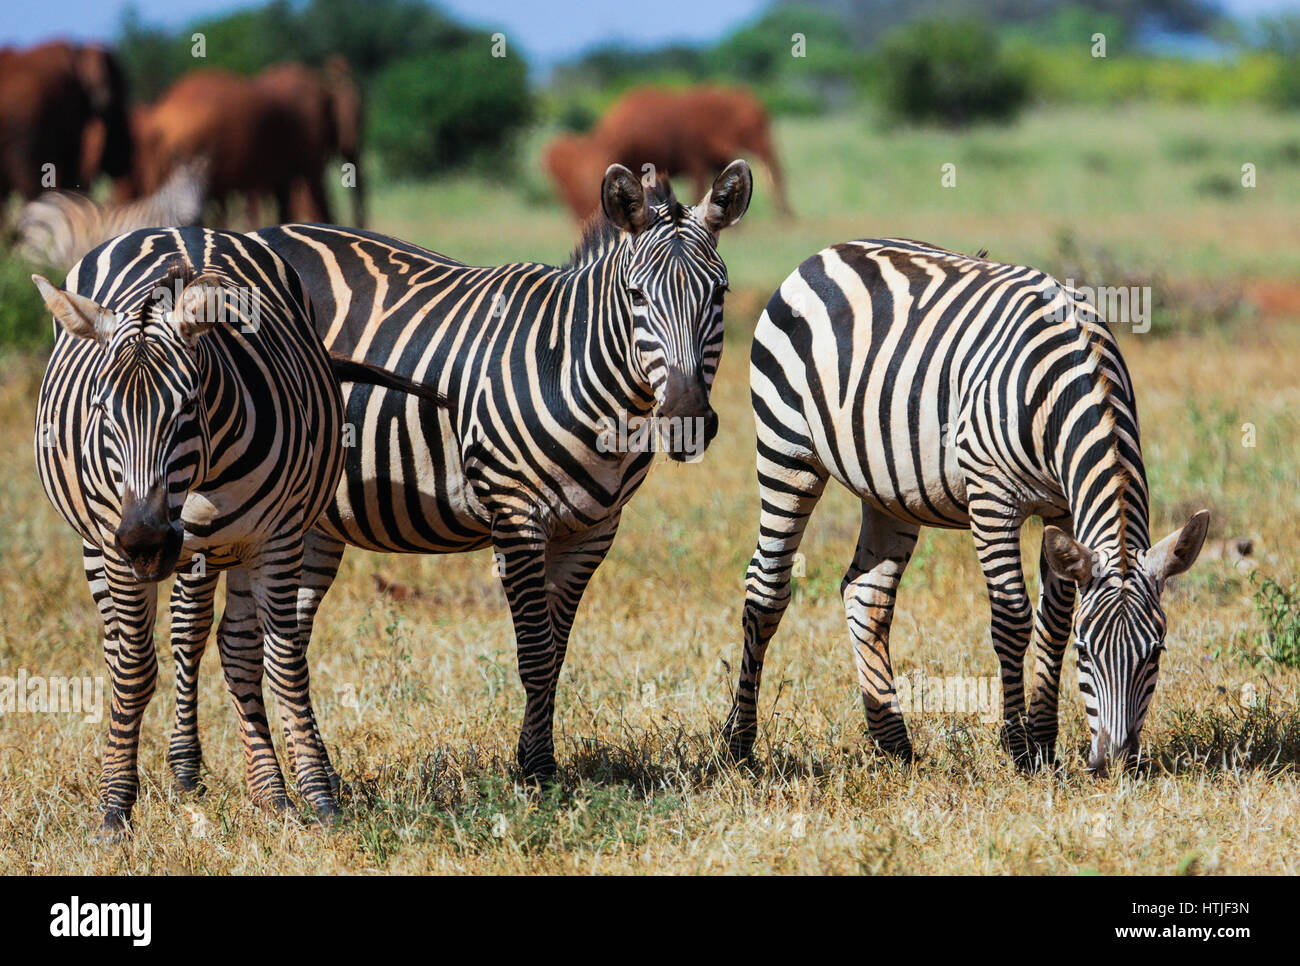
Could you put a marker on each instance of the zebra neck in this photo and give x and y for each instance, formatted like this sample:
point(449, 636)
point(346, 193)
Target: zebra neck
point(1104, 484)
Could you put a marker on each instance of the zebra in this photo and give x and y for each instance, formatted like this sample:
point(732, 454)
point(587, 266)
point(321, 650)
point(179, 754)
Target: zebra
point(951, 391)
point(59, 227)
point(189, 422)
point(533, 366)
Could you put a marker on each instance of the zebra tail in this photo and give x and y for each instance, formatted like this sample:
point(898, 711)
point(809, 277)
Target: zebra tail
point(350, 370)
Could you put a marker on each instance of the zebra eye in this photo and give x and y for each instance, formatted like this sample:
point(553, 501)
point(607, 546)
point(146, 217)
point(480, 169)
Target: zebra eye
point(637, 297)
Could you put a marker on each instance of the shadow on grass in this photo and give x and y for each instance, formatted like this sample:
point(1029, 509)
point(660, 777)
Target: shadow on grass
point(475, 800)
point(1259, 738)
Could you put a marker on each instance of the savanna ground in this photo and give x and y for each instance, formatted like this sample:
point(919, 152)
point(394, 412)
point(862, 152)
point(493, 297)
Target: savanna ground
point(416, 684)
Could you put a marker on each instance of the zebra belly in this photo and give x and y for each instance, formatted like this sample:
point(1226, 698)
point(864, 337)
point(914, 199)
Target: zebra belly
point(404, 488)
point(924, 487)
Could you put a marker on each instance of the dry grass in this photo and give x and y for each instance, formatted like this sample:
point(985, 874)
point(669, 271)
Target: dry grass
point(419, 698)
point(421, 703)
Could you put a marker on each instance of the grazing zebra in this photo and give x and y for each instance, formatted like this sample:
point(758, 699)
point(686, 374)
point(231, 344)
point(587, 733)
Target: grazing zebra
point(189, 419)
point(59, 227)
point(538, 365)
point(950, 391)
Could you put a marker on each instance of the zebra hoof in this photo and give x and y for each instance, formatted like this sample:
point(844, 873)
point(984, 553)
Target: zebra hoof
point(1039, 756)
point(188, 783)
point(274, 804)
point(324, 815)
point(900, 751)
point(538, 769)
point(115, 826)
point(739, 738)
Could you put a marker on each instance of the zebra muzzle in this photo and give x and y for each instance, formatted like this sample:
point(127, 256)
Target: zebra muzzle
point(686, 420)
point(148, 539)
point(1110, 753)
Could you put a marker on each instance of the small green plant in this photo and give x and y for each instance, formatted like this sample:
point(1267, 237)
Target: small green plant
point(1278, 608)
point(24, 323)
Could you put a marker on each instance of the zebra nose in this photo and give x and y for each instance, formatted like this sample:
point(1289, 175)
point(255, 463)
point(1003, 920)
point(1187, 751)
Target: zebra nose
point(149, 540)
point(1107, 752)
point(139, 537)
point(685, 397)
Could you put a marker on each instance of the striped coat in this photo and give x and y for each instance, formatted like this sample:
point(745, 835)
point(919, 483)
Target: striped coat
point(539, 366)
point(189, 422)
point(58, 227)
point(951, 391)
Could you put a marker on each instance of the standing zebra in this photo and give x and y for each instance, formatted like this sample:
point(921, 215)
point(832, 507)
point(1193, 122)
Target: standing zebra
point(538, 365)
point(59, 227)
point(950, 391)
point(189, 418)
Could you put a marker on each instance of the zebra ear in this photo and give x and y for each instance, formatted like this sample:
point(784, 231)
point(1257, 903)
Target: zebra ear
point(728, 199)
point(1068, 558)
point(82, 317)
point(199, 308)
point(622, 197)
point(1177, 552)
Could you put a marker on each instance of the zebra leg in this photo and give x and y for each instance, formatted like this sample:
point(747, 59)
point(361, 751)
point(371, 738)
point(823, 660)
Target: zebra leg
point(788, 492)
point(996, 529)
point(884, 547)
point(521, 562)
point(274, 577)
point(240, 641)
point(1051, 635)
point(133, 668)
point(568, 572)
point(322, 556)
point(191, 610)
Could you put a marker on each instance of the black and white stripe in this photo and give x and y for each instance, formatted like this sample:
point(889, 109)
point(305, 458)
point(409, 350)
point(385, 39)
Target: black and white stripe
point(951, 391)
point(537, 365)
point(189, 422)
point(58, 227)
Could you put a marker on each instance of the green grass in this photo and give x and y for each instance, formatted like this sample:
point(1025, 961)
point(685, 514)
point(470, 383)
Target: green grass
point(1129, 180)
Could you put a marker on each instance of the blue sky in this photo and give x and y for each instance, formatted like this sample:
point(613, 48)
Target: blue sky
point(547, 32)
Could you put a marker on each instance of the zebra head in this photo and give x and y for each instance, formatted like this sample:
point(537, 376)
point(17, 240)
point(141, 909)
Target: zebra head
point(1119, 630)
point(672, 285)
point(145, 438)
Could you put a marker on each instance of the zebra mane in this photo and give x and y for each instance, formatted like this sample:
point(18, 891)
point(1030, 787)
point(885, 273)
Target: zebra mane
point(601, 236)
point(177, 269)
point(1103, 389)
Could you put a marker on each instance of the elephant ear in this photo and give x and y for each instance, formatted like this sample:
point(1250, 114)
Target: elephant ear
point(104, 82)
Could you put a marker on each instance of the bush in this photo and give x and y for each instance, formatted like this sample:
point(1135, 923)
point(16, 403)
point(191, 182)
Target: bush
point(460, 107)
point(952, 72)
point(24, 323)
point(1278, 608)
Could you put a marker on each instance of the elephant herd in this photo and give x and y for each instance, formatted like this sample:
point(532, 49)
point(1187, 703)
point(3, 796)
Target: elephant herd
point(65, 118)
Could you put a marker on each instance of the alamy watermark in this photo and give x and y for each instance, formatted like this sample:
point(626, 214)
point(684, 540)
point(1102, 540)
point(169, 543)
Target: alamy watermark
point(26, 693)
point(75, 919)
point(919, 692)
point(1118, 304)
point(685, 435)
